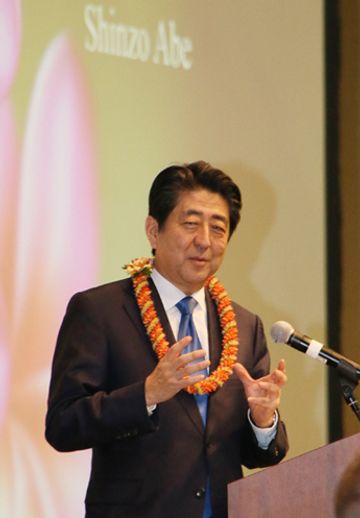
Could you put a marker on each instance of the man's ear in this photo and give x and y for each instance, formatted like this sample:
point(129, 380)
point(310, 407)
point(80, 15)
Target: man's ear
point(152, 231)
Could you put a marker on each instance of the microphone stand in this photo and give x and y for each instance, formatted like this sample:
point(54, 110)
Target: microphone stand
point(348, 378)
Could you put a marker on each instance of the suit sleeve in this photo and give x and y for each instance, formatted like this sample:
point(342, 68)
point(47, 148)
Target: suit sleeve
point(83, 410)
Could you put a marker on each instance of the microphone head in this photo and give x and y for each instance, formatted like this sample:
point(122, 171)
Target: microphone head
point(281, 332)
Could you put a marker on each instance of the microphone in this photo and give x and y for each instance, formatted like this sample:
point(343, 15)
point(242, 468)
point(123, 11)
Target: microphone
point(283, 332)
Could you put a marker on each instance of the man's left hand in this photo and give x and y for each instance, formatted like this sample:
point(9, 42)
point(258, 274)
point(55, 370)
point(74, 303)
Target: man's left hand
point(263, 394)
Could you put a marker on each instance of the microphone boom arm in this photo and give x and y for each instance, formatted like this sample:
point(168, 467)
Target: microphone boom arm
point(348, 382)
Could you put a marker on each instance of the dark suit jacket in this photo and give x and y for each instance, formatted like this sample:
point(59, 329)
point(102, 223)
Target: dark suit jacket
point(149, 467)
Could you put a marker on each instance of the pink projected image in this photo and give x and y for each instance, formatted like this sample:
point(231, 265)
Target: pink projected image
point(48, 250)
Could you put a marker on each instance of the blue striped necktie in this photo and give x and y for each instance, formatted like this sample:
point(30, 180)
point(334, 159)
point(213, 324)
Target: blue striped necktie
point(187, 328)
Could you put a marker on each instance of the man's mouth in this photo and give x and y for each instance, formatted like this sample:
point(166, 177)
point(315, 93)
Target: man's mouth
point(200, 260)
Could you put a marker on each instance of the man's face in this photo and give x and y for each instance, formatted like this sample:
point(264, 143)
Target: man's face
point(192, 242)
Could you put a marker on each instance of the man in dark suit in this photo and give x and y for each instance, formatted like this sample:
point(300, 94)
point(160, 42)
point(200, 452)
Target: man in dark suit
point(123, 379)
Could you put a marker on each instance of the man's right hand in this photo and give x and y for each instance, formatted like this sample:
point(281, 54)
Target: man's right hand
point(174, 372)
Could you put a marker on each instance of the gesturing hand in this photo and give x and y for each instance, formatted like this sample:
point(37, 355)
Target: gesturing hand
point(174, 372)
point(263, 394)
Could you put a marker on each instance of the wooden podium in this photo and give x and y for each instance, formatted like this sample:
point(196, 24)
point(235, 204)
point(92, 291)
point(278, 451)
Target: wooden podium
point(303, 487)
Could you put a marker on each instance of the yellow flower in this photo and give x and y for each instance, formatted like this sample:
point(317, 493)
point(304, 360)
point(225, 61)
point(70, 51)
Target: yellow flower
point(139, 265)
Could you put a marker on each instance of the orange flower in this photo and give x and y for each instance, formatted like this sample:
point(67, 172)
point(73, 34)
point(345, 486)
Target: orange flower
point(140, 269)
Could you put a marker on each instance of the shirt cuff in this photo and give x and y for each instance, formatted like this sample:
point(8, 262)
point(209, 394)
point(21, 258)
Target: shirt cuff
point(264, 436)
point(150, 409)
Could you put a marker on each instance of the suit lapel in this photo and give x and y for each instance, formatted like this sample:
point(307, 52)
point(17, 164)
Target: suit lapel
point(132, 309)
point(215, 340)
point(214, 332)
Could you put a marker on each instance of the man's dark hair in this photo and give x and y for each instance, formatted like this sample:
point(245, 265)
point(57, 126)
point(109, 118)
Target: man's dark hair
point(176, 179)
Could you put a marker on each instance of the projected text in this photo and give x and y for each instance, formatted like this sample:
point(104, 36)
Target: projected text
point(107, 36)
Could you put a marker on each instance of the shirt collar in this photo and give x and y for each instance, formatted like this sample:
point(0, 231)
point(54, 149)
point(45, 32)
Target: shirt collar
point(170, 294)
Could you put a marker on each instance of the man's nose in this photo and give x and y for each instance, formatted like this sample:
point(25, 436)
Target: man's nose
point(202, 238)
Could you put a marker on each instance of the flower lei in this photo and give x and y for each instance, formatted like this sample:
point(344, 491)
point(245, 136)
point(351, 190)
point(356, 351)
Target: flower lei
point(140, 269)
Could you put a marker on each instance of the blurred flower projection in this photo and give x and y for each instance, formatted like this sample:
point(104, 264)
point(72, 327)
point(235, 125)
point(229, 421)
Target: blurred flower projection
point(10, 30)
point(48, 249)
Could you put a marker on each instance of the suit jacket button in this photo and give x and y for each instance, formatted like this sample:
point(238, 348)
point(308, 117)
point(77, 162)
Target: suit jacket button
point(200, 493)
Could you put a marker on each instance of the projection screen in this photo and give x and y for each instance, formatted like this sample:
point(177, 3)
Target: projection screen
point(96, 98)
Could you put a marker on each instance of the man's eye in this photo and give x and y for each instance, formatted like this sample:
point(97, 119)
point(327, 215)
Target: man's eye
point(190, 224)
point(218, 229)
